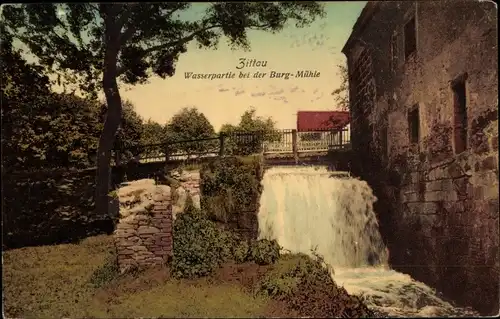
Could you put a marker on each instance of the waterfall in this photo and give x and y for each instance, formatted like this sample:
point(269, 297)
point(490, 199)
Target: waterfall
point(310, 209)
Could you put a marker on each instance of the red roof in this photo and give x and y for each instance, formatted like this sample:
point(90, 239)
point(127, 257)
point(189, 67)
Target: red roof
point(321, 120)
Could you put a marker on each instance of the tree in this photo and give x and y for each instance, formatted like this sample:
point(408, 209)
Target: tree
point(129, 134)
point(341, 94)
point(153, 133)
point(248, 136)
point(100, 44)
point(42, 129)
point(190, 124)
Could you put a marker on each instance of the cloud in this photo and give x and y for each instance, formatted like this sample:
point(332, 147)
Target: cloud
point(281, 91)
point(294, 89)
point(256, 94)
point(315, 91)
point(281, 98)
point(223, 90)
point(239, 92)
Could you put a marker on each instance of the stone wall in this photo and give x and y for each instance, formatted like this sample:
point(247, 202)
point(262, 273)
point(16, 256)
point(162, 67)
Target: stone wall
point(143, 236)
point(50, 207)
point(438, 210)
point(144, 232)
point(188, 184)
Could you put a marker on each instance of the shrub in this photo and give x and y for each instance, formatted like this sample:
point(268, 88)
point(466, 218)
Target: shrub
point(105, 273)
point(230, 186)
point(265, 252)
point(285, 277)
point(199, 246)
point(306, 286)
point(241, 252)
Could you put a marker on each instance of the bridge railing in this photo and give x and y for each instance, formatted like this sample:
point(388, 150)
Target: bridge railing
point(238, 143)
point(292, 141)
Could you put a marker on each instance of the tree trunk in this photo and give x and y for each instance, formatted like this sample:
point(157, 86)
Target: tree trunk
point(108, 135)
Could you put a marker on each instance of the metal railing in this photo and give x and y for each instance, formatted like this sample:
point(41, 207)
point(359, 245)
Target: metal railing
point(288, 141)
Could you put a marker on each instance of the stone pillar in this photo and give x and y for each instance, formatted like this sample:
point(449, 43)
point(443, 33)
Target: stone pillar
point(143, 236)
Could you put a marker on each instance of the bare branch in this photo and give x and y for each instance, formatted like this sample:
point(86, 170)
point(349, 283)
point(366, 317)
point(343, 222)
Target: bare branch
point(129, 32)
point(171, 44)
point(125, 15)
point(184, 41)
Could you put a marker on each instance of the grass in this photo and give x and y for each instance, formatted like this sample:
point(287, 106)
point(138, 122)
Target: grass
point(176, 298)
point(55, 281)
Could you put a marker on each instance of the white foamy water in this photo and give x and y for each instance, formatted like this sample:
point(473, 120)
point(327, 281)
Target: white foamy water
point(306, 208)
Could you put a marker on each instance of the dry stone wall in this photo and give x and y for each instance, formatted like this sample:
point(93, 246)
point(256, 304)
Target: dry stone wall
point(143, 236)
point(144, 233)
point(189, 184)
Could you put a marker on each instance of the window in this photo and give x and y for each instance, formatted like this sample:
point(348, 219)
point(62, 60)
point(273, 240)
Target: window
point(394, 52)
point(414, 125)
point(410, 35)
point(460, 114)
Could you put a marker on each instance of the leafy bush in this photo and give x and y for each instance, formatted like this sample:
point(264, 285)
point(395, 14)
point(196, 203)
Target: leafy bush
point(105, 273)
point(241, 252)
point(230, 187)
point(265, 252)
point(289, 272)
point(306, 286)
point(199, 246)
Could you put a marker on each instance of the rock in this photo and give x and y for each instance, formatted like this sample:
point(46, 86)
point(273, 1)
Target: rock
point(139, 196)
point(175, 174)
point(138, 248)
point(196, 201)
point(147, 230)
point(125, 226)
point(178, 206)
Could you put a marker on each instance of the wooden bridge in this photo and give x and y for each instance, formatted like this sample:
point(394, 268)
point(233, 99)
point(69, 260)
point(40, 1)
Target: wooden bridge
point(279, 147)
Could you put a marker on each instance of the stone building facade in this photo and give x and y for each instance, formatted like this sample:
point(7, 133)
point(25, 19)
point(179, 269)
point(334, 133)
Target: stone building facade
point(423, 80)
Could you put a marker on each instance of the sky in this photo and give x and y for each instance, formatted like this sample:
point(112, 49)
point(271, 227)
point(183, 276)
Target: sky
point(316, 48)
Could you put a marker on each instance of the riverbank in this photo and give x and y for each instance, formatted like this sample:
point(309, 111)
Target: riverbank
point(72, 280)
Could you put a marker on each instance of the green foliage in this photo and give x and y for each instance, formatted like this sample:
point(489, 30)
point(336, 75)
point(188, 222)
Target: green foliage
point(189, 205)
point(265, 252)
point(199, 246)
point(190, 124)
point(230, 187)
point(289, 272)
point(92, 44)
point(42, 129)
point(237, 143)
point(50, 207)
point(139, 37)
point(341, 94)
point(305, 284)
point(129, 134)
point(153, 133)
point(241, 251)
point(105, 273)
